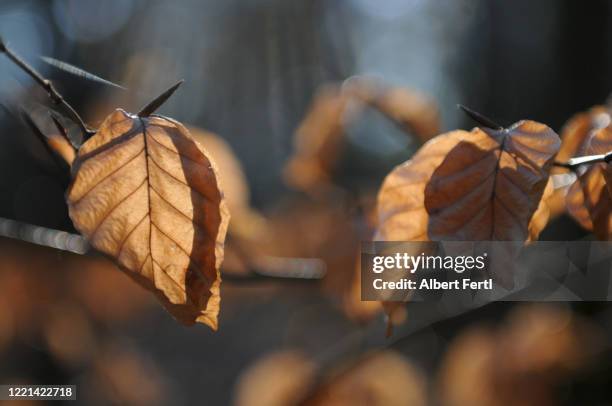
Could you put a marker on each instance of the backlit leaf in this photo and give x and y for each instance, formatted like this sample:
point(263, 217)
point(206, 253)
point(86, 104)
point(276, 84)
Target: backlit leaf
point(416, 113)
point(574, 137)
point(578, 129)
point(542, 214)
point(318, 141)
point(401, 200)
point(489, 185)
point(401, 207)
point(146, 194)
point(588, 199)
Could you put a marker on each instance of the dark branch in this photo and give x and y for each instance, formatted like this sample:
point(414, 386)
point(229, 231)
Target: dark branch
point(158, 101)
point(480, 119)
point(54, 95)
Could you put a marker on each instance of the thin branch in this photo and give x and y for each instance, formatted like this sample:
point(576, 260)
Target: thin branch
point(480, 119)
point(78, 244)
point(54, 95)
point(573, 163)
point(45, 237)
point(261, 274)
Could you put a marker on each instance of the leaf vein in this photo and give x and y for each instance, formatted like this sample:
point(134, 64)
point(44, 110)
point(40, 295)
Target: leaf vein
point(115, 207)
point(123, 165)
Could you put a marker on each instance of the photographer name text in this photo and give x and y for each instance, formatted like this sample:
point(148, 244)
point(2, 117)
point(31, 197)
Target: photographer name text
point(433, 284)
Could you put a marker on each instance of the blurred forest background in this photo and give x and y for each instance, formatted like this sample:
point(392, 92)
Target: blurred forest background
point(251, 70)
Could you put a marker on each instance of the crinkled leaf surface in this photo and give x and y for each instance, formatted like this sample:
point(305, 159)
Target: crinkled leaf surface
point(577, 131)
point(401, 209)
point(147, 195)
point(588, 199)
point(489, 185)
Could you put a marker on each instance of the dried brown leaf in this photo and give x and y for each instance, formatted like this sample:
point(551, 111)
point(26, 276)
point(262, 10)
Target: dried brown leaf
point(540, 217)
point(115, 373)
point(246, 222)
point(607, 174)
point(576, 131)
point(401, 200)
point(318, 140)
point(146, 194)
point(489, 186)
point(289, 378)
point(353, 306)
point(518, 363)
point(414, 112)
point(588, 199)
point(278, 379)
point(62, 147)
point(69, 334)
point(380, 379)
point(401, 207)
point(574, 137)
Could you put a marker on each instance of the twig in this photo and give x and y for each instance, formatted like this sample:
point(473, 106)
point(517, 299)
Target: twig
point(480, 119)
point(54, 95)
point(78, 244)
point(46, 237)
point(573, 163)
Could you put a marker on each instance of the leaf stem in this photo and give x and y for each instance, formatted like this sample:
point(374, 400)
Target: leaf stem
point(46, 84)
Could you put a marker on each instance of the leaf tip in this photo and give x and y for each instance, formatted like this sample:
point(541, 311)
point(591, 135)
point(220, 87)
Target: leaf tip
point(73, 70)
point(57, 123)
point(27, 119)
point(159, 100)
point(479, 118)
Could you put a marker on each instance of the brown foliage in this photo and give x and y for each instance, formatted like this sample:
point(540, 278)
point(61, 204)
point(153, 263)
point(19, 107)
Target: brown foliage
point(290, 378)
point(519, 362)
point(415, 112)
point(543, 212)
point(278, 379)
point(574, 135)
point(401, 209)
point(319, 139)
point(489, 185)
point(401, 200)
point(384, 378)
point(578, 129)
point(478, 185)
point(147, 195)
point(588, 199)
point(62, 147)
